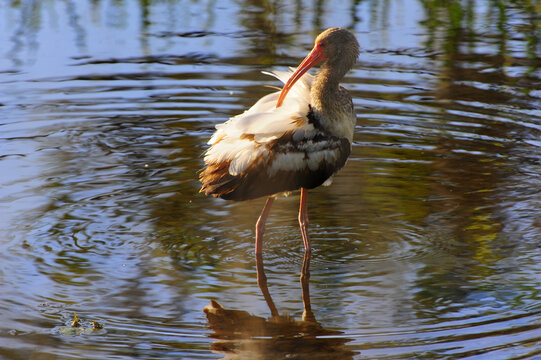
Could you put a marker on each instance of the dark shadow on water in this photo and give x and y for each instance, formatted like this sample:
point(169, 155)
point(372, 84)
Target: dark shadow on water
point(241, 335)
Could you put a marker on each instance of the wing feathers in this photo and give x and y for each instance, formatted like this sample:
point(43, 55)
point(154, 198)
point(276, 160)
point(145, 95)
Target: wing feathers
point(268, 150)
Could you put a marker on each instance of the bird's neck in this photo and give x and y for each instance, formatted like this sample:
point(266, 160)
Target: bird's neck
point(325, 89)
point(331, 105)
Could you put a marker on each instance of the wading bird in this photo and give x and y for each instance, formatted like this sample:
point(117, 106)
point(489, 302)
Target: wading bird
point(285, 143)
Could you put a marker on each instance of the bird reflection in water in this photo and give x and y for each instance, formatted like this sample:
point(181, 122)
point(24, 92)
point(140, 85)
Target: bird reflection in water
point(244, 336)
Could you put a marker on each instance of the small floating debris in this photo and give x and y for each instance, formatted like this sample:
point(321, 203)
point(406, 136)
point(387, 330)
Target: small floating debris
point(96, 325)
point(76, 322)
point(76, 327)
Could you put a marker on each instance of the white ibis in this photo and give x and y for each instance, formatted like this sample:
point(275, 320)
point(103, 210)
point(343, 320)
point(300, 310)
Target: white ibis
point(285, 143)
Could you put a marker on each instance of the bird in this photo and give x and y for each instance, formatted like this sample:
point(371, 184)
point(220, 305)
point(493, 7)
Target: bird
point(292, 139)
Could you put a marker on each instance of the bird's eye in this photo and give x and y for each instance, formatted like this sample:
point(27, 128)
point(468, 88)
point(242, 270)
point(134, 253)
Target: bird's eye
point(322, 44)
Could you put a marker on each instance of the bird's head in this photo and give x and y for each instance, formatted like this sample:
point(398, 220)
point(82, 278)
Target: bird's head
point(337, 47)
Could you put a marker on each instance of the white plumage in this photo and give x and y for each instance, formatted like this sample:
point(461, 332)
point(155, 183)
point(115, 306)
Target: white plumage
point(240, 139)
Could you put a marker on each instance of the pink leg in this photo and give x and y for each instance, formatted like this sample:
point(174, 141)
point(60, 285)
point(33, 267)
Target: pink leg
point(262, 282)
point(307, 315)
point(303, 220)
point(260, 226)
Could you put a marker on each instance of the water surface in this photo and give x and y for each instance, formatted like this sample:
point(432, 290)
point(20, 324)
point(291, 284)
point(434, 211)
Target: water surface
point(426, 246)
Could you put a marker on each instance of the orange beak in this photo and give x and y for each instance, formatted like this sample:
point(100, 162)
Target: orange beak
point(315, 56)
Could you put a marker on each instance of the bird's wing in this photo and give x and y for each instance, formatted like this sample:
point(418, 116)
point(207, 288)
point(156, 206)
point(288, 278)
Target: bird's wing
point(241, 139)
point(268, 150)
point(263, 119)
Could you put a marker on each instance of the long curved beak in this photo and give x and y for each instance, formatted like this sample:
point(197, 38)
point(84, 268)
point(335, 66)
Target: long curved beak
point(314, 57)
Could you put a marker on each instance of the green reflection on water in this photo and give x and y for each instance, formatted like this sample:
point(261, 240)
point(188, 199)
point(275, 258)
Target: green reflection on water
point(433, 219)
